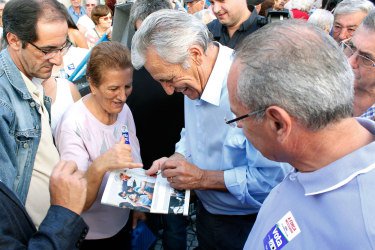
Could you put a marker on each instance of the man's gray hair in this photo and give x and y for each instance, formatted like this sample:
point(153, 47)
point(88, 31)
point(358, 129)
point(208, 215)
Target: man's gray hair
point(369, 21)
point(143, 8)
point(170, 33)
point(322, 18)
point(351, 6)
point(298, 67)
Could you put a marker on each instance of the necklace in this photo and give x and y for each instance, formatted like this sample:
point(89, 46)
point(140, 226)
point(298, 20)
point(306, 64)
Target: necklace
point(97, 33)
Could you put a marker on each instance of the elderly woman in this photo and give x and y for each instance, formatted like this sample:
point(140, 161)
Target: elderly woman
point(101, 15)
point(90, 133)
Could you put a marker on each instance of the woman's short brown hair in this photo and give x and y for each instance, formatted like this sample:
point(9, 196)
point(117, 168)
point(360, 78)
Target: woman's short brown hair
point(107, 56)
point(99, 11)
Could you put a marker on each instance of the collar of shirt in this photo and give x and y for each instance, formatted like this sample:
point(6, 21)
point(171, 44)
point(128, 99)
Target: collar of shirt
point(219, 74)
point(370, 113)
point(81, 11)
point(341, 171)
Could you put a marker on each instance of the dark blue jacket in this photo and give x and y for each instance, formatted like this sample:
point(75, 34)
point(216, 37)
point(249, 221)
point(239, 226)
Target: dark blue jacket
point(61, 229)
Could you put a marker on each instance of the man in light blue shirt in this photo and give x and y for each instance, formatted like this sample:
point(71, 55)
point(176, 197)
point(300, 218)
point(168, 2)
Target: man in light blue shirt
point(306, 120)
point(76, 10)
point(230, 177)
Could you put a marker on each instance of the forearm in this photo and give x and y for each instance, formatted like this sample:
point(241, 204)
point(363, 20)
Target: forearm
point(61, 229)
point(94, 178)
point(212, 180)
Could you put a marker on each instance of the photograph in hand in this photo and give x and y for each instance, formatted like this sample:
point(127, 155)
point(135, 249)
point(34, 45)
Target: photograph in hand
point(132, 188)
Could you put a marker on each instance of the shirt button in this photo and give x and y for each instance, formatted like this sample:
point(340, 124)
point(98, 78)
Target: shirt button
point(25, 145)
point(292, 176)
point(32, 104)
point(37, 127)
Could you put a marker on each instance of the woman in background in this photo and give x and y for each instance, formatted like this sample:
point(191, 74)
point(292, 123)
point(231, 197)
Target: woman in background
point(101, 15)
point(90, 134)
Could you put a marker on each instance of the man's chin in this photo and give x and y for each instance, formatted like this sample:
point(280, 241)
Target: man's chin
point(43, 75)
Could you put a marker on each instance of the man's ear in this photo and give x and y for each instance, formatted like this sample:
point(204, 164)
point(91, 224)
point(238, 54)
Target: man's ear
point(196, 54)
point(279, 121)
point(14, 42)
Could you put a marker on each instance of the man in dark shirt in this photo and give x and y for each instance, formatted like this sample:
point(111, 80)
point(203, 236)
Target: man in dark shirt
point(235, 20)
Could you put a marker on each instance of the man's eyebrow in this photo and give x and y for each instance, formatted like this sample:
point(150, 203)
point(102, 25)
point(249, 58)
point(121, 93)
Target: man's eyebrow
point(53, 47)
point(366, 54)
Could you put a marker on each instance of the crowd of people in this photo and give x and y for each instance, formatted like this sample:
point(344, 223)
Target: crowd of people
point(270, 122)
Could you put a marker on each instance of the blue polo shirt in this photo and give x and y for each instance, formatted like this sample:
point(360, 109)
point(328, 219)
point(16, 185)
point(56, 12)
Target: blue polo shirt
point(331, 208)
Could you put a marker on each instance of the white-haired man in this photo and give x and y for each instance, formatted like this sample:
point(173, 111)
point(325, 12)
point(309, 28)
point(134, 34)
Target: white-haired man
point(348, 15)
point(230, 177)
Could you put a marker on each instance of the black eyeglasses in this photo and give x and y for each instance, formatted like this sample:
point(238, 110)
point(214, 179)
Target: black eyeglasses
point(233, 122)
point(49, 53)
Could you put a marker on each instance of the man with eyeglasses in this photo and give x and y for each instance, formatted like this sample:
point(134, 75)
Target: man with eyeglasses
point(348, 15)
point(27, 150)
point(360, 50)
point(230, 177)
point(301, 98)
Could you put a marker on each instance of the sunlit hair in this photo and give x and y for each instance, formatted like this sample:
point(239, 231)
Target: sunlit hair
point(170, 33)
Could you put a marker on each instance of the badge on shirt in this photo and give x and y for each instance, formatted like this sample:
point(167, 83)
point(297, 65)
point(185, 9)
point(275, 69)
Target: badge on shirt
point(71, 66)
point(285, 230)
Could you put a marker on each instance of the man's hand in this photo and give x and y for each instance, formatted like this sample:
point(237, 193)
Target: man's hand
point(158, 164)
point(68, 187)
point(183, 175)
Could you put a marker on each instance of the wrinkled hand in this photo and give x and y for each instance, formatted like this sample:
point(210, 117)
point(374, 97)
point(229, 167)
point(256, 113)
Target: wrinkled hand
point(68, 187)
point(156, 166)
point(182, 174)
point(136, 217)
point(117, 157)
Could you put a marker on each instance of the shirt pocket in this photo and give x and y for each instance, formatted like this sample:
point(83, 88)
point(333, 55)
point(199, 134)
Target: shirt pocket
point(24, 151)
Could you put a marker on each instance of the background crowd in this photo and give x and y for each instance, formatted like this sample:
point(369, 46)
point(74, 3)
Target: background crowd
point(265, 109)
